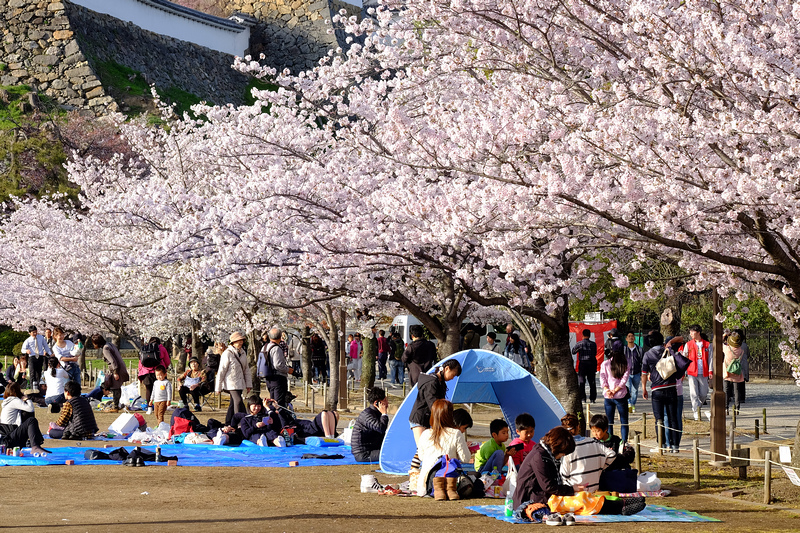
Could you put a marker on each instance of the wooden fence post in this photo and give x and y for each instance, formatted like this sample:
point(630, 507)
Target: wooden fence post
point(767, 477)
point(696, 459)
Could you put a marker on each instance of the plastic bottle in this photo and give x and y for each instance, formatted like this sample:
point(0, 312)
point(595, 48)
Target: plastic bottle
point(158, 454)
point(495, 473)
point(509, 507)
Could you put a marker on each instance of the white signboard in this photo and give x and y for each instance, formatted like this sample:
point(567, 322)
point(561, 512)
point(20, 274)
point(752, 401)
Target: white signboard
point(791, 474)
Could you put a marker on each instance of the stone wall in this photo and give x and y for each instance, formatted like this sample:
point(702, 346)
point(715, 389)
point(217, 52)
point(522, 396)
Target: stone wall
point(292, 34)
point(162, 60)
point(52, 45)
point(40, 50)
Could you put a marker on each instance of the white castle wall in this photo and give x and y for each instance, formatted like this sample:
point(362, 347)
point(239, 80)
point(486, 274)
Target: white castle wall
point(165, 18)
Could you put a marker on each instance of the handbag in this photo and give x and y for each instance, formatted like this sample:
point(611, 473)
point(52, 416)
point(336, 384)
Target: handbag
point(666, 365)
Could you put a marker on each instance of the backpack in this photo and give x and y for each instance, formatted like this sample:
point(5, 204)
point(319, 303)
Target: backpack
point(150, 355)
point(264, 365)
point(735, 367)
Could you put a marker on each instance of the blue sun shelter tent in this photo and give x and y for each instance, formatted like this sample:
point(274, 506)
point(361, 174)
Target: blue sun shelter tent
point(486, 377)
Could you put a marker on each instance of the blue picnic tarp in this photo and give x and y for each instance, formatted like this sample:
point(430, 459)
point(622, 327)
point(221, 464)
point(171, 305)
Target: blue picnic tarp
point(248, 455)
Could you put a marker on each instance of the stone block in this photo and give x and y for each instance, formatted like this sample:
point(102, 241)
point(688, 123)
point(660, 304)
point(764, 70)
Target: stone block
point(74, 58)
point(17, 3)
point(91, 84)
point(72, 48)
point(35, 35)
point(94, 93)
point(172, 462)
point(19, 73)
point(79, 71)
point(55, 6)
point(45, 60)
point(9, 80)
point(62, 34)
point(103, 100)
point(757, 450)
point(59, 84)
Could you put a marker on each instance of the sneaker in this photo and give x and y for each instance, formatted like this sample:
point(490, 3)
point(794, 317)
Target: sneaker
point(633, 408)
point(262, 441)
point(149, 411)
point(707, 414)
point(569, 519)
point(656, 450)
point(280, 442)
point(675, 449)
point(370, 484)
point(220, 439)
point(554, 519)
point(198, 407)
point(631, 506)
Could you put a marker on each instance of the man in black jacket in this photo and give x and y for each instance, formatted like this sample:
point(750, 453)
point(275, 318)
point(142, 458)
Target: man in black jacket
point(587, 366)
point(371, 427)
point(419, 355)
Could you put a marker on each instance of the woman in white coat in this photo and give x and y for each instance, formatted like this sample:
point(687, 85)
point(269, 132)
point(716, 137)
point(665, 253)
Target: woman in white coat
point(234, 376)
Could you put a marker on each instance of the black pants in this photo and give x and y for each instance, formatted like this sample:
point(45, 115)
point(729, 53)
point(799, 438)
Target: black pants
point(236, 406)
point(382, 358)
point(20, 435)
point(667, 399)
point(36, 371)
point(148, 380)
point(278, 387)
point(321, 370)
point(734, 391)
point(185, 391)
point(371, 457)
point(586, 373)
point(116, 394)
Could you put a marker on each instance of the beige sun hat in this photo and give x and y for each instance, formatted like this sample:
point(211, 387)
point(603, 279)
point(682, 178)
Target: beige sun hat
point(237, 336)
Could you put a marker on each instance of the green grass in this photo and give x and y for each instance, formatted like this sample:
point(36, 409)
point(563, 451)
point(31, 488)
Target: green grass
point(10, 113)
point(257, 84)
point(122, 81)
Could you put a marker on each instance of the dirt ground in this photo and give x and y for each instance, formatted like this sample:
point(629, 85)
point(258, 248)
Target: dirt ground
point(304, 500)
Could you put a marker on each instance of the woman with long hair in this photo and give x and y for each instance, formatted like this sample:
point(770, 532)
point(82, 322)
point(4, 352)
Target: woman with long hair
point(18, 425)
point(443, 438)
point(55, 377)
point(614, 374)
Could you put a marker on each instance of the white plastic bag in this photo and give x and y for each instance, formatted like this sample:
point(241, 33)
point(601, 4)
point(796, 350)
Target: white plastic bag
point(511, 479)
point(647, 482)
point(347, 434)
point(130, 393)
point(124, 424)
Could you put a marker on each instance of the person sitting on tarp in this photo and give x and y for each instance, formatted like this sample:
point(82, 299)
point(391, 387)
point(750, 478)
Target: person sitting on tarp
point(18, 425)
point(76, 420)
point(583, 467)
point(323, 425)
point(259, 426)
point(541, 489)
point(370, 427)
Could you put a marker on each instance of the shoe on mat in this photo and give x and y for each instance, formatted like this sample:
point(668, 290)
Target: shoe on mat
point(279, 442)
point(133, 461)
point(554, 519)
point(370, 484)
point(569, 519)
point(198, 407)
point(631, 506)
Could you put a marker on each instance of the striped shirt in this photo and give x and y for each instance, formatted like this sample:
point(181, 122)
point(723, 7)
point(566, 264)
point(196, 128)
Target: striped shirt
point(586, 463)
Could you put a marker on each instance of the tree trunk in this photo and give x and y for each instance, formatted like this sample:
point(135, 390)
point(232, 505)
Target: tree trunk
point(369, 355)
point(175, 347)
point(796, 447)
point(305, 355)
point(534, 341)
point(197, 342)
point(449, 342)
point(253, 347)
point(558, 358)
point(671, 315)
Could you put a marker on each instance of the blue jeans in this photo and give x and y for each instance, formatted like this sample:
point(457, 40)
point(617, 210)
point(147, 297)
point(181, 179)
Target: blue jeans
point(634, 382)
point(495, 461)
point(55, 400)
point(622, 406)
point(397, 371)
point(665, 405)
